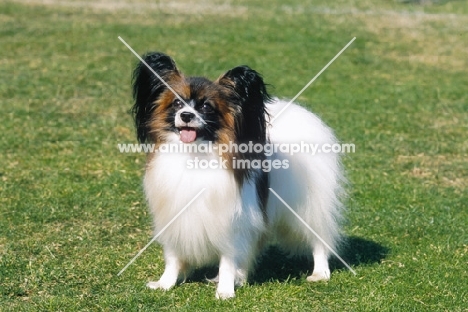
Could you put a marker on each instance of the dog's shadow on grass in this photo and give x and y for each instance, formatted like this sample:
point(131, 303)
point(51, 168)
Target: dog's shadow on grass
point(275, 265)
point(355, 251)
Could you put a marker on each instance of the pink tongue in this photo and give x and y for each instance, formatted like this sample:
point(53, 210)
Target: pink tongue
point(188, 135)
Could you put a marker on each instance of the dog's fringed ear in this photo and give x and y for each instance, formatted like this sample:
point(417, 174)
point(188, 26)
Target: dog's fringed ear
point(250, 95)
point(147, 87)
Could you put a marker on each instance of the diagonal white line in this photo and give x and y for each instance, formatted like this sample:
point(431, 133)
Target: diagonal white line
point(311, 81)
point(162, 80)
point(160, 232)
point(313, 232)
point(50, 252)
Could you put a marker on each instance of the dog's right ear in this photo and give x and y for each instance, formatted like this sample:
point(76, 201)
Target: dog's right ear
point(147, 87)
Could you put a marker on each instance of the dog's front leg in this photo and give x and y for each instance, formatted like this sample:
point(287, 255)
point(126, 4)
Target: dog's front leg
point(173, 271)
point(227, 277)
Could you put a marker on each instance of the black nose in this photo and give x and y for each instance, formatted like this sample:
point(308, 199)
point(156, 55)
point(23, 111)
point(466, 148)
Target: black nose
point(186, 116)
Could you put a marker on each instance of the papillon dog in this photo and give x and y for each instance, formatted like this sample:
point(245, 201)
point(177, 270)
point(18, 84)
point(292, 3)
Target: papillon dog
point(237, 215)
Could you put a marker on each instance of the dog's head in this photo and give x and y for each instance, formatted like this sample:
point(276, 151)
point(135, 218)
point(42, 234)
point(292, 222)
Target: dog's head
point(170, 107)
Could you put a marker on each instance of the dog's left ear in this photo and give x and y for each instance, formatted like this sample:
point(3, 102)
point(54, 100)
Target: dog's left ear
point(249, 95)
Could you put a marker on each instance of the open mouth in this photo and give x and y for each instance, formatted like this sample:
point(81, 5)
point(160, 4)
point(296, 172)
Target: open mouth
point(188, 134)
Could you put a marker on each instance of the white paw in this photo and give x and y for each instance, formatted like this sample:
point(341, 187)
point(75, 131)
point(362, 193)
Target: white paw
point(159, 285)
point(224, 295)
point(319, 276)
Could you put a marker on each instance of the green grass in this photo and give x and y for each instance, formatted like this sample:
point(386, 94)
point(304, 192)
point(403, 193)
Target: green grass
point(72, 211)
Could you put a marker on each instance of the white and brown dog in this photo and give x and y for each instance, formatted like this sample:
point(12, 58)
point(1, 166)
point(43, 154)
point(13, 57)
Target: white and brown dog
point(236, 216)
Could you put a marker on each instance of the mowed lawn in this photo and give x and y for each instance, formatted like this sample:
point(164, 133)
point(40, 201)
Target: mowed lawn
point(72, 210)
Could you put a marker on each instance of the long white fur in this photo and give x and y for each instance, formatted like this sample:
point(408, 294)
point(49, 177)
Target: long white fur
point(225, 225)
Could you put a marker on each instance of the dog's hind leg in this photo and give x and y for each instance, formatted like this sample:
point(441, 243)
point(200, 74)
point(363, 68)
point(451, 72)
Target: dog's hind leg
point(321, 270)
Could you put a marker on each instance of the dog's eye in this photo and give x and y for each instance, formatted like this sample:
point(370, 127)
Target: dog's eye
point(206, 108)
point(177, 104)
